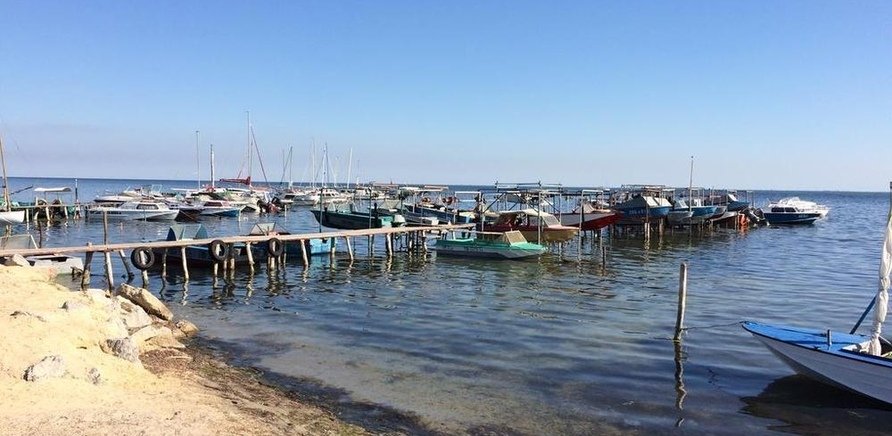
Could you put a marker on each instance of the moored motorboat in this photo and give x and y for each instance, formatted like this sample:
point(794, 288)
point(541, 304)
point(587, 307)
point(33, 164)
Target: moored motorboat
point(354, 220)
point(493, 245)
point(793, 210)
point(143, 210)
point(588, 216)
point(535, 225)
point(643, 207)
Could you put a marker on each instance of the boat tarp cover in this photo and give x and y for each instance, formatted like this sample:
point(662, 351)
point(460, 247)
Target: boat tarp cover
point(882, 298)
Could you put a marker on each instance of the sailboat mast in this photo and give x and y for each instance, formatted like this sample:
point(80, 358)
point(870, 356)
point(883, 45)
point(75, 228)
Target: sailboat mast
point(198, 157)
point(349, 166)
point(212, 168)
point(6, 199)
point(691, 186)
point(250, 149)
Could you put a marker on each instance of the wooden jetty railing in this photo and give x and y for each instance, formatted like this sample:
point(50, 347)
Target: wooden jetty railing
point(90, 249)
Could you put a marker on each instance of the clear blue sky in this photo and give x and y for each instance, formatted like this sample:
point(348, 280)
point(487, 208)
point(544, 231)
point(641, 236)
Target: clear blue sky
point(765, 94)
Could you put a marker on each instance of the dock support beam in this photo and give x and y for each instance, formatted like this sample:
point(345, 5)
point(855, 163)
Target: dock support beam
point(109, 275)
point(126, 265)
point(349, 247)
point(88, 260)
point(185, 265)
point(303, 253)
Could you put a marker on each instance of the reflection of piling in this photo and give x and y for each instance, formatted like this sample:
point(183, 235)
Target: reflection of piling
point(682, 297)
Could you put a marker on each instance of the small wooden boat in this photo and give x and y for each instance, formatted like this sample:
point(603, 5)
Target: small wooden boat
point(62, 264)
point(493, 245)
point(836, 358)
point(859, 363)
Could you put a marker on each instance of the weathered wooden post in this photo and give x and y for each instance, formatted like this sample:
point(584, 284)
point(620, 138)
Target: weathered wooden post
point(682, 297)
point(250, 257)
point(88, 260)
point(126, 265)
point(109, 274)
point(185, 265)
point(303, 253)
point(349, 247)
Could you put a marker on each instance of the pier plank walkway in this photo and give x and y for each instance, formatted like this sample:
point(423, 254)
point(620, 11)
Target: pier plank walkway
point(90, 248)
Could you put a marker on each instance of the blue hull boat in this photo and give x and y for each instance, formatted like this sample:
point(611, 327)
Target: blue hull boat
point(835, 358)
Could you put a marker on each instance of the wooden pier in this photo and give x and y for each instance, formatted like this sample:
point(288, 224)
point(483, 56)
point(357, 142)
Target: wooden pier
point(415, 237)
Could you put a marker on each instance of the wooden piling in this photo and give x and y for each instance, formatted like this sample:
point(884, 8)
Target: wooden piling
point(185, 264)
point(250, 257)
point(88, 260)
point(349, 247)
point(164, 264)
point(109, 275)
point(682, 300)
point(303, 253)
point(126, 265)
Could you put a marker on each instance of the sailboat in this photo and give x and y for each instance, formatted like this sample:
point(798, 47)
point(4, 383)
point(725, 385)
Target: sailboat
point(858, 363)
point(8, 216)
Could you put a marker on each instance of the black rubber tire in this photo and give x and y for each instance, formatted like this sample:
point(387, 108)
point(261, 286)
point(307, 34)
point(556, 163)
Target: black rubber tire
point(218, 250)
point(142, 258)
point(274, 247)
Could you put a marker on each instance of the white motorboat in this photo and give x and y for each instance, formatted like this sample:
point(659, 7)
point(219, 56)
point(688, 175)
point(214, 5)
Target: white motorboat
point(143, 210)
point(793, 210)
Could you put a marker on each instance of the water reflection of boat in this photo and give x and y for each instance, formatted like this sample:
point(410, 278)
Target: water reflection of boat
point(803, 404)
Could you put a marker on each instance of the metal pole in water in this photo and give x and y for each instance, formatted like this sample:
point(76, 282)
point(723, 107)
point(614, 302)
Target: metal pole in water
point(682, 299)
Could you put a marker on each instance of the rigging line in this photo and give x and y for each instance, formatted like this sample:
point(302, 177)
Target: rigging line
point(259, 158)
point(712, 326)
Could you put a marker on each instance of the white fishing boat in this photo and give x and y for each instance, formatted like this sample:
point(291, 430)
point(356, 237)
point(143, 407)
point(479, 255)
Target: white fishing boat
point(859, 363)
point(142, 210)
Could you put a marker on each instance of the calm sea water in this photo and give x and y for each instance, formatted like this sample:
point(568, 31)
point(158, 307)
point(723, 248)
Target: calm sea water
point(560, 345)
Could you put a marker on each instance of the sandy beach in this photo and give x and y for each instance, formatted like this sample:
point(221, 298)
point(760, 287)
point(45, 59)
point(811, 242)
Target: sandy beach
point(64, 371)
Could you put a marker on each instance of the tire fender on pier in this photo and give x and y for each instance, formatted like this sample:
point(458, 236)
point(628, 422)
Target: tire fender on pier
point(218, 250)
point(142, 258)
point(274, 247)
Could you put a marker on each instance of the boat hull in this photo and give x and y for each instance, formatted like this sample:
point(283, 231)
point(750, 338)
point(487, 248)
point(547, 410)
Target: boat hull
point(807, 352)
point(476, 248)
point(12, 217)
point(351, 221)
point(590, 221)
point(795, 218)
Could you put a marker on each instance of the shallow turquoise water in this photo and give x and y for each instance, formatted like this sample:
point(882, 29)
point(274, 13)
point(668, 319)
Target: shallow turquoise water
point(562, 344)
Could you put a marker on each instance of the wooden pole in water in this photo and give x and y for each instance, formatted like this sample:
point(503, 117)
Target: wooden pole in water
point(164, 264)
point(682, 299)
point(388, 243)
point(250, 257)
point(88, 260)
point(108, 271)
point(349, 247)
point(303, 253)
point(185, 266)
point(126, 265)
